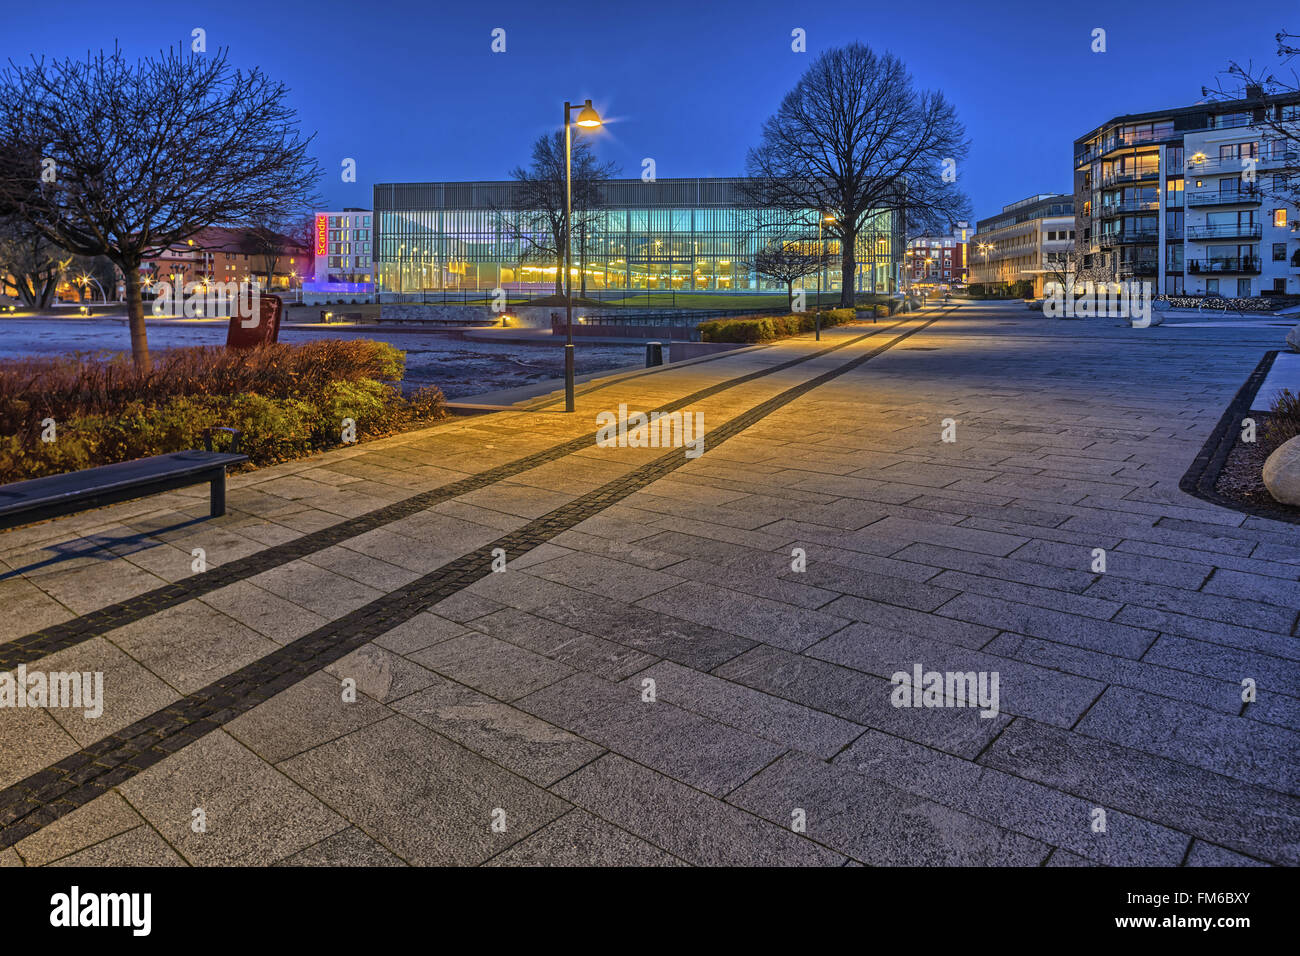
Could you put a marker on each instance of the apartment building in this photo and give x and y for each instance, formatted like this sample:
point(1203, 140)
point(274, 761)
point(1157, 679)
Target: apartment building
point(220, 254)
point(938, 260)
point(1016, 244)
point(1196, 199)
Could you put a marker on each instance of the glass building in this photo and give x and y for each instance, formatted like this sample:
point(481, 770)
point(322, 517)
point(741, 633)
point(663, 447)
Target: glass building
point(680, 234)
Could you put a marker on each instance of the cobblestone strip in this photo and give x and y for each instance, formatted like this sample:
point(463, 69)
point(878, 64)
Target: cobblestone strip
point(38, 644)
point(47, 795)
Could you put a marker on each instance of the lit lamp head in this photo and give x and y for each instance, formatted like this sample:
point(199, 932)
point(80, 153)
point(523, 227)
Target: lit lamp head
point(588, 117)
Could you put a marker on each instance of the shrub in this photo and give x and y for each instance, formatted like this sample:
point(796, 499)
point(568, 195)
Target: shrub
point(64, 386)
point(755, 329)
point(1284, 419)
point(286, 401)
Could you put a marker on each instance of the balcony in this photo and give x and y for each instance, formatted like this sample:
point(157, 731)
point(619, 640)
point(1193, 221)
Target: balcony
point(1110, 210)
point(1231, 265)
point(1250, 194)
point(1233, 164)
point(1244, 230)
point(1113, 239)
point(1127, 269)
point(1130, 176)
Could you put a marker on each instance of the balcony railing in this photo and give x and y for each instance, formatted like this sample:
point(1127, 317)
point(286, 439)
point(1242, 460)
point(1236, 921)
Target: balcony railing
point(1107, 210)
point(1245, 230)
point(1125, 269)
point(1249, 194)
point(1233, 164)
point(1130, 176)
point(1110, 240)
point(1239, 265)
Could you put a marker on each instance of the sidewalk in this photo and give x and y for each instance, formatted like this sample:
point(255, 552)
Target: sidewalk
point(654, 678)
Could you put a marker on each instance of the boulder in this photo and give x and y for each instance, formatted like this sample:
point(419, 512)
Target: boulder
point(1282, 473)
point(1293, 339)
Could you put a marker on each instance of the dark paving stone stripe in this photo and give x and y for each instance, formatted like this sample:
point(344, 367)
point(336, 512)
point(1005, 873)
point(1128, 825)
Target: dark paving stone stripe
point(47, 795)
point(32, 647)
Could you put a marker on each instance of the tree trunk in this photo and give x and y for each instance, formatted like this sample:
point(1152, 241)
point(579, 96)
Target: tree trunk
point(850, 267)
point(51, 283)
point(135, 315)
point(789, 295)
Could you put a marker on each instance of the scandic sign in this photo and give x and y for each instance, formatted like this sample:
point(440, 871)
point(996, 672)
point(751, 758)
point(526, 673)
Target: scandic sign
point(322, 234)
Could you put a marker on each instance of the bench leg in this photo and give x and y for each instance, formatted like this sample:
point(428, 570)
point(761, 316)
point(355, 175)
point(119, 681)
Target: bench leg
point(218, 494)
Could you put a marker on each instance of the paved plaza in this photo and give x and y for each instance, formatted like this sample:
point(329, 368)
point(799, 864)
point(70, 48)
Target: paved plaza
point(689, 660)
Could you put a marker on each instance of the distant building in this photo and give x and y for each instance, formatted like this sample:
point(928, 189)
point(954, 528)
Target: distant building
point(344, 252)
point(665, 234)
point(1014, 245)
point(220, 254)
point(1193, 199)
point(938, 260)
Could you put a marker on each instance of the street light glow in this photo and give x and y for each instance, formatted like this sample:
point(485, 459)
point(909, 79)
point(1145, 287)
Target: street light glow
point(588, 116)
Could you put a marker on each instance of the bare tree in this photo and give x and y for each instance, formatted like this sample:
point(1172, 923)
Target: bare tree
point(118, 158)
point(1254, 89)
point(855, 138)
point(788, 261)
point(277, 236)
point(537, 219)
point(29, 263)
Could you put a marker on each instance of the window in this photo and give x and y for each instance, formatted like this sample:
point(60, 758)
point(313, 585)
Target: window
point(1279, 252)
point(1279, 218)
point(1212, 285)
point(1229, 120)
point(1239, 151)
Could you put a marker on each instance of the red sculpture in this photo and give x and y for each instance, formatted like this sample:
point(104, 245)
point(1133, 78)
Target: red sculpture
point(243, 333)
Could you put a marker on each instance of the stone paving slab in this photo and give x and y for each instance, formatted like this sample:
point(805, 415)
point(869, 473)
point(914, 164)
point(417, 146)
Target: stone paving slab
point(519, 697)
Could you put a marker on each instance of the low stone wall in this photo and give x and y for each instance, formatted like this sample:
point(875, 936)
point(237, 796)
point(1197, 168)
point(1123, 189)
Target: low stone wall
point(681, 351)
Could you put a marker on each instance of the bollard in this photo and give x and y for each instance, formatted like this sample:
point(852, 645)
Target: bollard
point(654, 354)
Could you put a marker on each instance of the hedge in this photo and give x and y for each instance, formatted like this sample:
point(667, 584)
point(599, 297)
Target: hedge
point(287, 401)
point(768, 327)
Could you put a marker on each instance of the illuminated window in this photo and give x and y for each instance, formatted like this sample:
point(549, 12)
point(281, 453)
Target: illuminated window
point(1279, 218)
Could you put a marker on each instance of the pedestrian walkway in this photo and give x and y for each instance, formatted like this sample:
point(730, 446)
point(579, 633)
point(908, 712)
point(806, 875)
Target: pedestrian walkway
point(495, 641)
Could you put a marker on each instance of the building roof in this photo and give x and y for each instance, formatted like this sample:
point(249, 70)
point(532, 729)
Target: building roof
point(1185, 117)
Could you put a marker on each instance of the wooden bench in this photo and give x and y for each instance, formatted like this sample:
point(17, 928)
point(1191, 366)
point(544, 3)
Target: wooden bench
point(36, 499)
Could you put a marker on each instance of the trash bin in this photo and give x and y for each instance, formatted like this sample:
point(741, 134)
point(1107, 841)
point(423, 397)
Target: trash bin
point(654, 354)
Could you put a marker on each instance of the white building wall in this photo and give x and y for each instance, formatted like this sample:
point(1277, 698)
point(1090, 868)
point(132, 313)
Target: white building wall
point(1275, 230)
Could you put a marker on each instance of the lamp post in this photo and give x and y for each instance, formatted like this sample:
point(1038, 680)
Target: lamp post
point(588, 118)
point(821, 269)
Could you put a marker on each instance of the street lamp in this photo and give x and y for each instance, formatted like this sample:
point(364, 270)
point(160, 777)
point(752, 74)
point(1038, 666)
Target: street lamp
point(588, 118)
point(821, 268)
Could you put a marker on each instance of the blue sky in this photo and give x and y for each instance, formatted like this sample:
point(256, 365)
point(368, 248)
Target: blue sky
point(411, 90)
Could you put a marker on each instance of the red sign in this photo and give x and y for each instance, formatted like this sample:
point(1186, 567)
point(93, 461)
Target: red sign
point(322, 235)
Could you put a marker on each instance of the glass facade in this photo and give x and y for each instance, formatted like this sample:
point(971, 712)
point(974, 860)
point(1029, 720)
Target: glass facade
point(684, 235)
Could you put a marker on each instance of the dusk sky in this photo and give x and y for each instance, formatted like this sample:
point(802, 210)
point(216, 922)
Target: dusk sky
point(411, 90)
